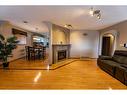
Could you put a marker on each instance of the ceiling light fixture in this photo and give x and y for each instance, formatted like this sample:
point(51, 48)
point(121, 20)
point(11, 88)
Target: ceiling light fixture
point(96, 13)
point(69, 26)
point(91, 11)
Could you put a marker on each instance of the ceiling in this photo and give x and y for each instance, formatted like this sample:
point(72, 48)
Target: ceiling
point(77, 16)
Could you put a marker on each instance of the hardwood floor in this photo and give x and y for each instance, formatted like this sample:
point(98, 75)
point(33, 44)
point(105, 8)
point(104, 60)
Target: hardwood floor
point(76, 75)
point(23, 64)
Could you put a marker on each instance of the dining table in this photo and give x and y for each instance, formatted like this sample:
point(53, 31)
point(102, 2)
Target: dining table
point(35, 52)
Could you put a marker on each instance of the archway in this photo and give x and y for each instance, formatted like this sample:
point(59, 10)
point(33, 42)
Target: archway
point(114, 35)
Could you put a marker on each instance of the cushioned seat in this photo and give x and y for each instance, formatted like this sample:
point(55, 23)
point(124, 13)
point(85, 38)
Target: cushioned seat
point(125, 76)
point(110, 66)
point(111, 62)
point(115, 65)
point(119, 73)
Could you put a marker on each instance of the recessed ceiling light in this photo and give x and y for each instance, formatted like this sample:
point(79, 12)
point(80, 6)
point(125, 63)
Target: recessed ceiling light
point(36, 28)
point(25, 22)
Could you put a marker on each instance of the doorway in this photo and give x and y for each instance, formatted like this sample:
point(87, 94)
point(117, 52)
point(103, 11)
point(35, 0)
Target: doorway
point(106, 45)
point(108, 42)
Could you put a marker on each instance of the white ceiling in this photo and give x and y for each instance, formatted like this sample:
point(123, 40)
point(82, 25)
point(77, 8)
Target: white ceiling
point(77, 16)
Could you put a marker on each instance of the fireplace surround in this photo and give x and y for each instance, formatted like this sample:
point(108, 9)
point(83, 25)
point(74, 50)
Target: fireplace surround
point(60, 52)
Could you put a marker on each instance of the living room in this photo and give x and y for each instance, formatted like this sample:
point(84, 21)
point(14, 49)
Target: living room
point(80, 42)
point(71, 40)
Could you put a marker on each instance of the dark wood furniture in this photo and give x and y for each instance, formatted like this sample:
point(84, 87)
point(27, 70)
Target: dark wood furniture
point(33, 53)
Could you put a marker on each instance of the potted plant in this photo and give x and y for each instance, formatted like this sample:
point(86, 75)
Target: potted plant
point(6, 47)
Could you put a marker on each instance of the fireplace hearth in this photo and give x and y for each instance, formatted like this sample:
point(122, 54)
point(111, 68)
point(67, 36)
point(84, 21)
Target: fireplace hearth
point(61, 54)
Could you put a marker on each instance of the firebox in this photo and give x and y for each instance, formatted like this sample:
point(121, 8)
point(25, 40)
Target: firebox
point(61, 54)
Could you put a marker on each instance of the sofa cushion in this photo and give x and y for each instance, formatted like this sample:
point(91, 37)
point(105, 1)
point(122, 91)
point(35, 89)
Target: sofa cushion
point(120, 52)
point(118, 58)
point(111, 62)
point(109, 66)
point(124, 60)
point(105, 57)
point(124, 65)
point(119, 73)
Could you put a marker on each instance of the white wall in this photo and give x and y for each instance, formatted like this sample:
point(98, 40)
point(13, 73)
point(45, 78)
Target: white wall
point(84, 46)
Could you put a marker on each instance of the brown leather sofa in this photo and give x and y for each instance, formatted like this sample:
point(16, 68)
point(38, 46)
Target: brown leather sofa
point(115, 65)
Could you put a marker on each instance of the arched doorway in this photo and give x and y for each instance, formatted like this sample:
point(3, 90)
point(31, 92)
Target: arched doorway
point(108, 43)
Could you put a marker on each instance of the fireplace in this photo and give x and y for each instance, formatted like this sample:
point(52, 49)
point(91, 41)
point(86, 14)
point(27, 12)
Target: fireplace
point(61, 54)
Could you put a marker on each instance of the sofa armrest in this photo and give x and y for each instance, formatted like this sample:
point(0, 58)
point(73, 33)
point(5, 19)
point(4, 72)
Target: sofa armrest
point(124, 65)
point(105, 57)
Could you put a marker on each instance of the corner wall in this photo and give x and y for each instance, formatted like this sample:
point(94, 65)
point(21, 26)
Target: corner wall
point(84, 45)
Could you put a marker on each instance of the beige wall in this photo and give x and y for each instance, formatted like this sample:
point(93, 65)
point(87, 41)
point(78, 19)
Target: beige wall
point(84, 46)
point(121, 28)
point(60, 34)
point(81, 46)
point(6, 30)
